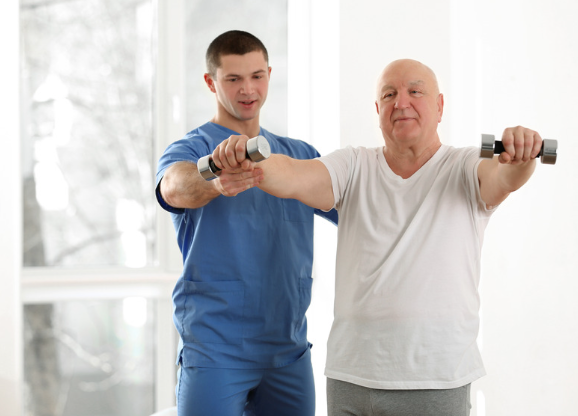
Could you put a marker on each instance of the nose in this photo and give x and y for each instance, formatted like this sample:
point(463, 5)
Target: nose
point(247, 87)
point(401, 100)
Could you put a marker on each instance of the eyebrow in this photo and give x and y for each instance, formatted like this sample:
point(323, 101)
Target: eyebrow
point(260, 71)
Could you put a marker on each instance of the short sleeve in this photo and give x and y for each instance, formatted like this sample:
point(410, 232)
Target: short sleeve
point(339, 164)
point(189, 149)
point(471, 163)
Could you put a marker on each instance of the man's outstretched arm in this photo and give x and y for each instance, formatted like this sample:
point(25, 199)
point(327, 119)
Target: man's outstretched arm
point(183, 187)
point(305, 180)
point(510, 170)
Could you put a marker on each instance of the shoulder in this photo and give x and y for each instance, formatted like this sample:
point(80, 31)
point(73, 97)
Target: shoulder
point(358, 153)
point(459, 157)
point(460, 152)
point(461, 163)
point(199, 141)
point(353, 158)
point(295, 148)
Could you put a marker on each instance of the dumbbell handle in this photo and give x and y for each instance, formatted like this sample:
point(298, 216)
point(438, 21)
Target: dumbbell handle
point(548, 151)
point(258, 149)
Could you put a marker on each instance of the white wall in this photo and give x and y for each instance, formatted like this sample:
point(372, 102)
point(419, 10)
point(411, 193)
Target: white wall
point(530, 337)
point(500, 64)
point(374, 33)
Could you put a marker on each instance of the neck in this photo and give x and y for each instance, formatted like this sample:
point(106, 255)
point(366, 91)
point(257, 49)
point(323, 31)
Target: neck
point(248, 128)
point(405, 161)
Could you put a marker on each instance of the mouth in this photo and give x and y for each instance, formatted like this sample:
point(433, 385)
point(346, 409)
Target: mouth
point(247, 103)
point(403, 119)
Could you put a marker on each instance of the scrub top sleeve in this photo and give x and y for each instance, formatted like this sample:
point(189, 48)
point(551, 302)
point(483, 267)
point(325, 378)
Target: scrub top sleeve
point(330, 216)
point(184, 150)
point(164, 204)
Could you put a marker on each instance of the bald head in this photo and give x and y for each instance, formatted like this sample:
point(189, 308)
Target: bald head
point(409, 104)
point(423, 74)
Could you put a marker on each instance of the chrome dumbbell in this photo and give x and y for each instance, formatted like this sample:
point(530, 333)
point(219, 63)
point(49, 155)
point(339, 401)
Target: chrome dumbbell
point(491, 147)
point(258, 149)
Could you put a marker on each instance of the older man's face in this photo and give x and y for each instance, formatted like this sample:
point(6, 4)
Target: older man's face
point(408, 103)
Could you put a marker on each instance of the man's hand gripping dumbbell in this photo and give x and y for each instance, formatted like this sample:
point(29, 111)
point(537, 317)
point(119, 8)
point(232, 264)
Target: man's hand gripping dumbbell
point(547, 151)
point(237, 156)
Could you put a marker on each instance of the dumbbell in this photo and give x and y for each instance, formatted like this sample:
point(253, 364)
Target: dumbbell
point(490, 147)
point(258, 149)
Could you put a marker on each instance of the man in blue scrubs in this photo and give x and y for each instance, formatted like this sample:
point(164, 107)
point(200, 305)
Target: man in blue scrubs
point(240, 303)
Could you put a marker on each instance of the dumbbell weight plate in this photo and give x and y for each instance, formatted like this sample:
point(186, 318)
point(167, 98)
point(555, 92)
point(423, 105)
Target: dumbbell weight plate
point(207, 168)
point(549, 151)
point(258, 149)
point(487, 150)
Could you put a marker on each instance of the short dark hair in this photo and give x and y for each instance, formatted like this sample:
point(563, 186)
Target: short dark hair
point(233, 42)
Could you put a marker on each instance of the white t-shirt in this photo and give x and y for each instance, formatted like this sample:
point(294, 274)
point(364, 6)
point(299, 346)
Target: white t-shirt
point(407, 272)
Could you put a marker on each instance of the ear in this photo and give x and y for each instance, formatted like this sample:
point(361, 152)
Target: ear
point(377, 107)
point(210, 83)
point(440, 102)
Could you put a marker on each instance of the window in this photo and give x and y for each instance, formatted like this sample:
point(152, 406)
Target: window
point(101, 96)
point(86, 358)
point(87, 72)
point(87, 141)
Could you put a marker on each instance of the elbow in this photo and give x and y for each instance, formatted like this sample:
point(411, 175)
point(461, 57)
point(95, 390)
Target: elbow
point(168, 192)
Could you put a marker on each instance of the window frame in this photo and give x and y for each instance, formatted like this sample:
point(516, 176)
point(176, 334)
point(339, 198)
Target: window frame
point(46, 285)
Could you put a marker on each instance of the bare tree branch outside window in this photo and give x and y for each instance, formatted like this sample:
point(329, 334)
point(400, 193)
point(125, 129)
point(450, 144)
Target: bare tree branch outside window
point(87, 80)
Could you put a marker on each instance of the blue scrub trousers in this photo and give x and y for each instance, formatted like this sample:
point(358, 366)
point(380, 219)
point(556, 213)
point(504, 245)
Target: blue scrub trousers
point(283, 391)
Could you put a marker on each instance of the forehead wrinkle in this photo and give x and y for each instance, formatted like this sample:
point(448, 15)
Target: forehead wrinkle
point(414, 83)
point(410, 83)
point(421, 84)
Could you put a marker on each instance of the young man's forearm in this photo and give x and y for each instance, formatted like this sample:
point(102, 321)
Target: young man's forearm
point(183, 187)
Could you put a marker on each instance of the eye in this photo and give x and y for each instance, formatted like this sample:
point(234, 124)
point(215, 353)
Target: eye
point(232, 79)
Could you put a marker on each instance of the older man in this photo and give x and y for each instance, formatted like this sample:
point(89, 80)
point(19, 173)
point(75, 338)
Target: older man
point(412, 219)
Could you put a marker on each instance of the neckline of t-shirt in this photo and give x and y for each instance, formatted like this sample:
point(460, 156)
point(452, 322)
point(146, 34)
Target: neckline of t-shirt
point(432, 161)
point(233, 132)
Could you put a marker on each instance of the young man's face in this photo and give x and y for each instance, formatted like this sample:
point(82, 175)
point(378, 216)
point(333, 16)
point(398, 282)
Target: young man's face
point(241, 84)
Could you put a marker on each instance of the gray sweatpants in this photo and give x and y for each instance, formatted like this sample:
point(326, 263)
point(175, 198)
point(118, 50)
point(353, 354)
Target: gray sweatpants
point(346, 399)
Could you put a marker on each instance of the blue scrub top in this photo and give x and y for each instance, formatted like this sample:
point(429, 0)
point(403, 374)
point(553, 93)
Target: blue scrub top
point(246, 283)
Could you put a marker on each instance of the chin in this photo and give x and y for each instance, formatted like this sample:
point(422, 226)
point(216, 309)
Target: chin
point(249, 114)
point(404, 135)
point(247, 117)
